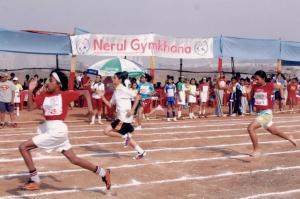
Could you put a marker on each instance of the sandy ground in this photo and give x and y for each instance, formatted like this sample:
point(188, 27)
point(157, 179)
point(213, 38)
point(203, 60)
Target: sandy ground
point(202, 158)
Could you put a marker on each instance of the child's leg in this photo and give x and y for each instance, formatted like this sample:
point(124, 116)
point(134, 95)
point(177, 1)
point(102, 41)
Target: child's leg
point(140, 116)
point(24, 149)
point(200, 108)
point(168, 110)
point(251, 130)
point(179, 111)
point(74, 159)
point(2, 117)
point(173, 111)
point(110, 132)
point(94, 116)
point(18, 108)
point(272, 129)
point(134, 145)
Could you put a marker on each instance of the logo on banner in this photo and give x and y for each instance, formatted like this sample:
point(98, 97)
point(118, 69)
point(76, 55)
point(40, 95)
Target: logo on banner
point(82, 46)
point(201, 47)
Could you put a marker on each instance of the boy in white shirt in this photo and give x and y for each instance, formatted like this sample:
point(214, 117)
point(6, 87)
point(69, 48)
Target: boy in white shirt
point(122, 126)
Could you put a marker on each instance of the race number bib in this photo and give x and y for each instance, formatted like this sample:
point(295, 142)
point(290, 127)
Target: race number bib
point(205, 89)
point(171, 92)
point(261, 98)
point(52, 105)
point(144, 90)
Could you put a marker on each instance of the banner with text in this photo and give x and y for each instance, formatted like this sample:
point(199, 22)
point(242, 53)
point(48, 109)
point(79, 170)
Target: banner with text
point(142, 45)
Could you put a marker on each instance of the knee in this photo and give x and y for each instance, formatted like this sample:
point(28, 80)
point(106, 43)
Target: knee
point(105, 132)
point(22, 147)
point(250, 129)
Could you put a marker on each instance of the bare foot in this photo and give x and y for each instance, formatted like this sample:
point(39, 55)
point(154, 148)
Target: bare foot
point(293, 141)
point(255, 153)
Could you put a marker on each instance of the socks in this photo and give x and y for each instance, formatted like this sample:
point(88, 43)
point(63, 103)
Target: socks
point(93, 119)
point(34, 176)
point(179, 114)
point(99, 119)
point(100, 171)
point(139, 149)
point(127, 135)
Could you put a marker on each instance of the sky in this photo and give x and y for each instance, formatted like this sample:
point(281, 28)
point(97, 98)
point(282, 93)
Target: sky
point(269, 19)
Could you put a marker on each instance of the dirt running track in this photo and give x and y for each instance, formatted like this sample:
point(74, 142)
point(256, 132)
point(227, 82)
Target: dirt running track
point(203, 158)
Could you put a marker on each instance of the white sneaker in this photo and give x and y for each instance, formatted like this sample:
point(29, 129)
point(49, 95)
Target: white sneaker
point(92, 123)
point(169, 119)
point(174, 119)
point(138, 128)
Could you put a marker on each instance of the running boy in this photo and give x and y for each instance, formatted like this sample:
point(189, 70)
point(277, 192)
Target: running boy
point(53, 133)
point(122, 127)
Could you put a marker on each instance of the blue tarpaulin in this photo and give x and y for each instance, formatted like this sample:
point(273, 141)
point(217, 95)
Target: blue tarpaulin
point(34, 43)
point(250, 48)
point(290, 51)
point(290, 63)
point(242, 48)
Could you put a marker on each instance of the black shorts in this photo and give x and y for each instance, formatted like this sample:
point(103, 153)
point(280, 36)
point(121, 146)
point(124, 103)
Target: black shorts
point(6, 107)
point(278, 96)
point(124, 129)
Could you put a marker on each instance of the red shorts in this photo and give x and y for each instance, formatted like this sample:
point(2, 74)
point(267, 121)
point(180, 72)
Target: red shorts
point(97, 104)
point(147, 105)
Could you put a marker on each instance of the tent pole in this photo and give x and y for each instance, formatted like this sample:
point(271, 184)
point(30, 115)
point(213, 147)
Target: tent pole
point(220, 67)
point(57, 63)
point(180, 69)
point(152, 67)
point(72, 72)
point(232, 66)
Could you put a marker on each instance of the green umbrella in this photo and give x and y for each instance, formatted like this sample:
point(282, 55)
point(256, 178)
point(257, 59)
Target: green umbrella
point(109, 67)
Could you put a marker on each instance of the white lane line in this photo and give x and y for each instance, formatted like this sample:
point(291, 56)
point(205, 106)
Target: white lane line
point(161, 122)
point(144, 141)
point(156, 128)
point(47, 157)
point(135, 183)
point(157, 162)
point(264, 195)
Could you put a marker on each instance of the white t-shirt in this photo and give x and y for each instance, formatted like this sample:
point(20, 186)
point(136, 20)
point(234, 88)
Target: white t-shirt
point(97, 89)
point(122, 99)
